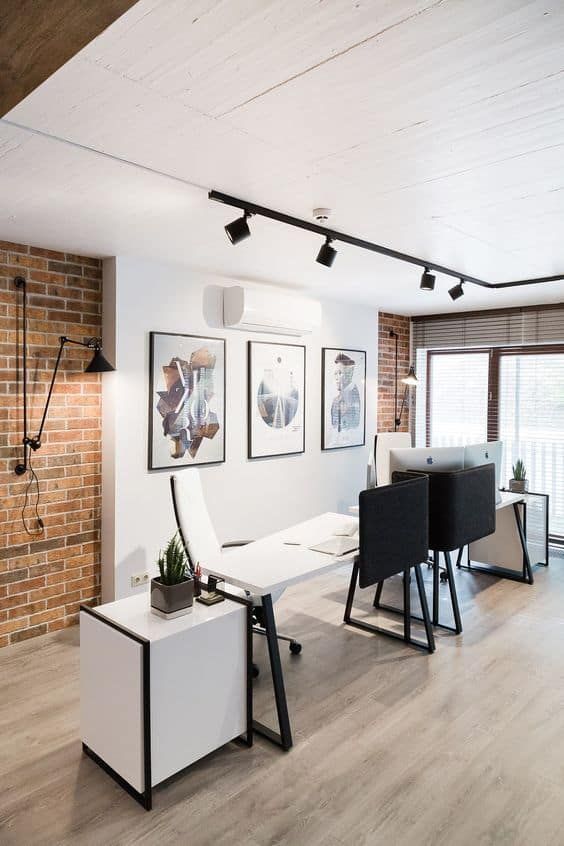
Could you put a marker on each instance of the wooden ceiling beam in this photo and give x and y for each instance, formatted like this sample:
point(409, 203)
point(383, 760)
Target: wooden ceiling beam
point(38, 36)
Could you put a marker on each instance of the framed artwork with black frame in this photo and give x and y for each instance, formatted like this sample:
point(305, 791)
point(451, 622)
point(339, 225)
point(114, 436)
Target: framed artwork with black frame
point(276, 399)
point(186, 400)
point(343, 398)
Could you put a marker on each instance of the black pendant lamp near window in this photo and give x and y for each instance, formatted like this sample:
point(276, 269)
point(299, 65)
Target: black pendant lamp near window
point(97, 364)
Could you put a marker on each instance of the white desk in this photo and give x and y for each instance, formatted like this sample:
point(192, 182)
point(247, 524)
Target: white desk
point(269, 564)
point(157, 695)
point(266, 566)
point(503, 553)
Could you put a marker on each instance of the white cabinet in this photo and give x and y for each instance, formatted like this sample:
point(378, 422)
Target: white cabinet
point(156, 695)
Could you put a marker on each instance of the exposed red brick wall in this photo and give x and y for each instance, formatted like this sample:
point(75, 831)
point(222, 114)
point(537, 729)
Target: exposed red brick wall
point(386, 365)
point(44, 578)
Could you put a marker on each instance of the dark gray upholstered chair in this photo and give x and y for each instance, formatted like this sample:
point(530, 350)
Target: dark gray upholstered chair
point(461, 510)
point(394, 538)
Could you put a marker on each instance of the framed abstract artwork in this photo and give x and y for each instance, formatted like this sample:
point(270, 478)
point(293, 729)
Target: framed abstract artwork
point(343, 398)
point(276, 397)
point(186, 400)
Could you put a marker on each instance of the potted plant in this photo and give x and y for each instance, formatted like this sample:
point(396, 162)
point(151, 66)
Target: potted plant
point(172, 592)
point(519, 483)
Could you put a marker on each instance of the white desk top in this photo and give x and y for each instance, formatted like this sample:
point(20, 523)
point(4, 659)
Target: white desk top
point(508, 498)
point(269, 564)
point(134, 613)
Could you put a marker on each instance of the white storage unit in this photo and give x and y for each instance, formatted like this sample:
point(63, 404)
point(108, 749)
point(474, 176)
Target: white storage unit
point(156, 695)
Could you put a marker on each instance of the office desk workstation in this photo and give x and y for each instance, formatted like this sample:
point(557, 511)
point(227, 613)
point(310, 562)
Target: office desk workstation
point(429, 506)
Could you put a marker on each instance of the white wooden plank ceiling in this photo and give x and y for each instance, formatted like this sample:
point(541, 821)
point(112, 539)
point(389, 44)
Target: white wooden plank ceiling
point(436, 128)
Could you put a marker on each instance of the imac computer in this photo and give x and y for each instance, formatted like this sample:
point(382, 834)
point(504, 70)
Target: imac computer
point(490, 453)
point(427, 459)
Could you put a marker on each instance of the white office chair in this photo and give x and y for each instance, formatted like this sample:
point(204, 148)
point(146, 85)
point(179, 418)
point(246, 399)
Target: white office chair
point(383, 443)
point(201, 544)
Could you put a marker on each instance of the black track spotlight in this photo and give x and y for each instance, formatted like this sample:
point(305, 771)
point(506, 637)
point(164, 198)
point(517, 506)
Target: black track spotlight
point(327, 253)
point(457, 291)
point(238, 230)
point(427, 280)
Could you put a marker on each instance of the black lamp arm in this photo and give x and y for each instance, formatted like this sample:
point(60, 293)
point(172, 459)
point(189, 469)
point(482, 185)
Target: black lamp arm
point(398, 418)
point(92, 343)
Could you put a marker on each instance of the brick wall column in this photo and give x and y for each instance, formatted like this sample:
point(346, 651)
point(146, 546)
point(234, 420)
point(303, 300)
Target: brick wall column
point(386, 369)
point(44, 577)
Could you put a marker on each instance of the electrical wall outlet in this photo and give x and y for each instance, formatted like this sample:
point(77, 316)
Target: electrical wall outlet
point(139, 579)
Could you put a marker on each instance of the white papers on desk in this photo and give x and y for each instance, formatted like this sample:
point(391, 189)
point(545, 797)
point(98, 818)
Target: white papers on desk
point(337, 545)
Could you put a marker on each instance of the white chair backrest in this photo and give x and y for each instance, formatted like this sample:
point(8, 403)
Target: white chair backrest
point(385, 441)
point(193, 517)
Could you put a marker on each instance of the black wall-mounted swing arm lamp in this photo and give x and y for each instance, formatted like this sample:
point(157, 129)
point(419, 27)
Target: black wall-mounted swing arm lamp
point(98, 364)
point(408, 381)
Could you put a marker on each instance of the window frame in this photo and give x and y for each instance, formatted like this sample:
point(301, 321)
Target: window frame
point(495, 356)
point(428, 387)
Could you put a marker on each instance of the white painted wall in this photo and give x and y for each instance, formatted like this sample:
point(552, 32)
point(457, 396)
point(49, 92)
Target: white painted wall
point(246, 499)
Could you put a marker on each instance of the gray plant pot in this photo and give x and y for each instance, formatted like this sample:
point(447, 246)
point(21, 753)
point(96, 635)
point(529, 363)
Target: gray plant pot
point(519, 485)
point(170, 601)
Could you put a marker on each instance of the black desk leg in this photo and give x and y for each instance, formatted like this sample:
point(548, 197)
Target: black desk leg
point(284, 738)
point(378, 594)
point(424, 608)
point(527, 569)
point(453, 595)
point(436, 575)
point(406, 606)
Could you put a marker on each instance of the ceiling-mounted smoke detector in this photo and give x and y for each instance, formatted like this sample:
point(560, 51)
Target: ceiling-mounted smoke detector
point(321, 215)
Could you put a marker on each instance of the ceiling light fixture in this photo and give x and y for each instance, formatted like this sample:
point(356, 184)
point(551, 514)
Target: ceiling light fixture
point(326, 254)
point(238, 229)
point(457, 291)
point(334, 235)
point(427, 280)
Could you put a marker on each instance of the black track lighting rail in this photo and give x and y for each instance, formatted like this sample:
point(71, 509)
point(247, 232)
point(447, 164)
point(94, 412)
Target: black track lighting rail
point(335, 235)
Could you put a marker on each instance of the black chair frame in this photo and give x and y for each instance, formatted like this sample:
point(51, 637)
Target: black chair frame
point(429, 646)
point(434, 563)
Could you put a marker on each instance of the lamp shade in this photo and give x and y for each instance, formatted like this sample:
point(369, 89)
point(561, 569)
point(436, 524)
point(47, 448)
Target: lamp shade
point(98, 364)
point(238, 230)
point(411, 378)
point(326, 254)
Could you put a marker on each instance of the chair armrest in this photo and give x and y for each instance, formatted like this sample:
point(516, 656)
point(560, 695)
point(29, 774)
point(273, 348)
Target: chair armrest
point(231, 544)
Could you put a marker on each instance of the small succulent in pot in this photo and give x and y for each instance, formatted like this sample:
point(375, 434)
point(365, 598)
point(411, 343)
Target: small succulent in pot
point(172, 592)
point(519, 483)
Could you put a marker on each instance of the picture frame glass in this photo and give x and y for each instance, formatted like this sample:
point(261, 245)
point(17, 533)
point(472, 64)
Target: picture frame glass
point(276, 399)
point(343, 375)
point(186, 400)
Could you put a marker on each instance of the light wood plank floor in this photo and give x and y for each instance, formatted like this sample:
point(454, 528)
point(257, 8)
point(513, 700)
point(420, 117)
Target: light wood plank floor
point(392, 746)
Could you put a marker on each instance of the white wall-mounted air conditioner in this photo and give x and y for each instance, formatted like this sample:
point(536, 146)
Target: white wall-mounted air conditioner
point(254, 310)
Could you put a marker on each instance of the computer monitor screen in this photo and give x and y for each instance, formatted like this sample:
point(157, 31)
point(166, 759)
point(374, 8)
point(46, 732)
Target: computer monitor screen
point(428, 459)
point(489, 453)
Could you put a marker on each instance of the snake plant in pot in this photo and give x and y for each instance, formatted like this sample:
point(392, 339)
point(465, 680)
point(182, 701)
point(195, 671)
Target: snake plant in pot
point(172, 592)
point(519, 483)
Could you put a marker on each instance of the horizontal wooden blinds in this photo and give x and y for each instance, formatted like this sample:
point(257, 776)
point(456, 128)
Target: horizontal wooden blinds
point(493, 328)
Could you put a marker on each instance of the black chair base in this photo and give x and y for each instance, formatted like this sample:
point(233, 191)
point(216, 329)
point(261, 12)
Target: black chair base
point(437, 575)
point(429, 646)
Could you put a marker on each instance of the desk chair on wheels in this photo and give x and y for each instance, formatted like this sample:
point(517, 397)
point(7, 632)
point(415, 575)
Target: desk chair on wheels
point(391, 544)
point(201, 544)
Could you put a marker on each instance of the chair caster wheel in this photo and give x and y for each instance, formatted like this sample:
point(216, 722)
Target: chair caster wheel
point(256, 671)
point(295, 647)
point(444, 577)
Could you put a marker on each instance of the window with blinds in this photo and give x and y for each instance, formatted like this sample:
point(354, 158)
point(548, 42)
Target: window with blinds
point(497, 375)
point(531, 422)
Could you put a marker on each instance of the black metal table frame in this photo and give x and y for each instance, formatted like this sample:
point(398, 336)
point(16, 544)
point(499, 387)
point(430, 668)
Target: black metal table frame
point(145, 798)
point(526, 575)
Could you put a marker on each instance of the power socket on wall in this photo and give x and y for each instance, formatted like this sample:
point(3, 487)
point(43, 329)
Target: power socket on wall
point(139, 579)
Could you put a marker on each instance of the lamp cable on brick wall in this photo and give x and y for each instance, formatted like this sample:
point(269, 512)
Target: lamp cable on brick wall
point(39, 522)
